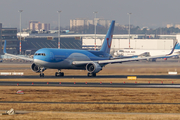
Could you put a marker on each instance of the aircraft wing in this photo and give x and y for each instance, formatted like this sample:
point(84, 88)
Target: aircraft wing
point(20, 57)
point(130, 59)
point(123, 57)
point(15, 56)
point(123, 60)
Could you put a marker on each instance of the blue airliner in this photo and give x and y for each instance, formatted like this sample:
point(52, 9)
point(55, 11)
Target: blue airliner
point(92, 61)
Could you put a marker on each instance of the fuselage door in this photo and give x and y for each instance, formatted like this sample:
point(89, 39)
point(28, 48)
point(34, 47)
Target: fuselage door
point(51, 56)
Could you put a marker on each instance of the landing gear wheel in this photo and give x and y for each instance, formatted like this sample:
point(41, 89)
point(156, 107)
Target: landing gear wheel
point(41, 74)
point(94, 74)
point(91, 74)
point(62, 74)
point(59, 74)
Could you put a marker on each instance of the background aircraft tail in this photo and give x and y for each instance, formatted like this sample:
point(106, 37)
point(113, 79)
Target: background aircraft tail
point(106, 46)
point(4, 50)
point(177, 46)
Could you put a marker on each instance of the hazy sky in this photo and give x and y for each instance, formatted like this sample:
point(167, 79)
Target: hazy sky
point(151, 13)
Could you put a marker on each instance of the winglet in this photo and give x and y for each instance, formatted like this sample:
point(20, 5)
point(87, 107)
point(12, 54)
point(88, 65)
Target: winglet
point(177, 46)
point(4, 50)
point(172, 49)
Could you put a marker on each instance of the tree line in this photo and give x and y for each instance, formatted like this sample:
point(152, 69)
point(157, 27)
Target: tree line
point(124, 30)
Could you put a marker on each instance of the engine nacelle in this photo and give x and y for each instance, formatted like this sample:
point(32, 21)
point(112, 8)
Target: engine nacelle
point(35, 68)
point(152, 60)
point(93, 67)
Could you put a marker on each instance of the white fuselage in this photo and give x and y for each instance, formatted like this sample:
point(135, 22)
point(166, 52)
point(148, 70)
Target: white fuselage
point(135, 52)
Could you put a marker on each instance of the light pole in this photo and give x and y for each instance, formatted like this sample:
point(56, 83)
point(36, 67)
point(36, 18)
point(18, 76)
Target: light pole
point(20, 11)
point(129, 28)
point(58, 29)
point(95, 28)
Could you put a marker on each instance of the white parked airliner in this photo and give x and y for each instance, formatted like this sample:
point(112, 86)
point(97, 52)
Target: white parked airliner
point(133, 53)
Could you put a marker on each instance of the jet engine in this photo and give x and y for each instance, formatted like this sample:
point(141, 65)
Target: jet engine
point(152, 60)
point(93, 67)
point(35, 68)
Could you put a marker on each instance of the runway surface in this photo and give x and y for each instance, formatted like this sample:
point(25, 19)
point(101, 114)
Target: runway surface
point(80, 84)
point(98, 76)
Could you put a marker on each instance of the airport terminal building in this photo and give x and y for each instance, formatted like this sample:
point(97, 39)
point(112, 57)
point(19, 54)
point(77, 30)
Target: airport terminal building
point(10, 35)
point(32, 43)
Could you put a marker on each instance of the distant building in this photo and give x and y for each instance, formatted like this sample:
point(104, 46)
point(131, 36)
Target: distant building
point(85, 22)
point(45, 26)
point(36, 26)
point(32, 25)
point(169, 25)
point(103, 22)
point(177, 26)
point(80, 22)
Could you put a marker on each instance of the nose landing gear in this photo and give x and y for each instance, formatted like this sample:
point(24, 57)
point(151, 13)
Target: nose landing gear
point(41, 72)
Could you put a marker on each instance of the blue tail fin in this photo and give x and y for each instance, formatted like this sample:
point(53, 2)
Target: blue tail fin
point(106, 46)
point(177, 46)
point(4, 50)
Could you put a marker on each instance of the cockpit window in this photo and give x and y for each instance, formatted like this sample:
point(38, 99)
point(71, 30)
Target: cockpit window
point(40, 54)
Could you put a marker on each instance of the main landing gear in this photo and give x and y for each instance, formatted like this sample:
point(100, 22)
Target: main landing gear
point(91, 74)
point(41, 72)
point(59, 74)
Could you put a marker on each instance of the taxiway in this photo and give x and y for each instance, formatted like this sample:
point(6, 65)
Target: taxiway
point(90, 84)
